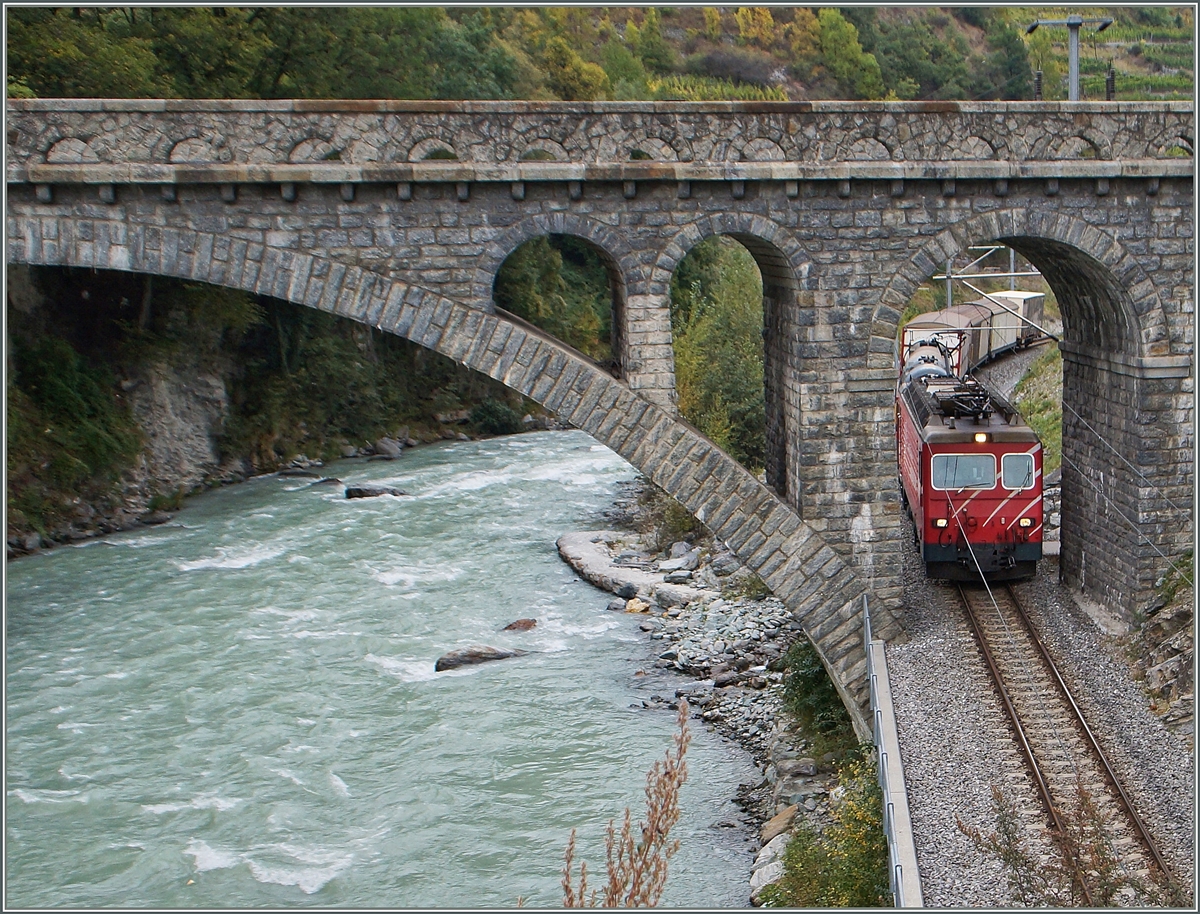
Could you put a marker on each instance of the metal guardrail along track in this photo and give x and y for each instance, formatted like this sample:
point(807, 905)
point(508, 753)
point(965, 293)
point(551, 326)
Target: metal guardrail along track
point(1059, 747)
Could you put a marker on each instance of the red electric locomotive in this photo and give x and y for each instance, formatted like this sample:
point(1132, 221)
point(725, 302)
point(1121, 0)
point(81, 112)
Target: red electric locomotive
point(970, 470)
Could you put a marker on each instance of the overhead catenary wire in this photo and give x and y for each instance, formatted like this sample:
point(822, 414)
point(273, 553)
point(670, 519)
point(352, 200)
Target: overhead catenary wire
point(1125, 460)
point(1175, 565)
point(1009, 634)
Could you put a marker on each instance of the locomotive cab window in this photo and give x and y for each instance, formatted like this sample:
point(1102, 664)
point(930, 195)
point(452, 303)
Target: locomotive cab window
point(1016, 471)
point(964, 471)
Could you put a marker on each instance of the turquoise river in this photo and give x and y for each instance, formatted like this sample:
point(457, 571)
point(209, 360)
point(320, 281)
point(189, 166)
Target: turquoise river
point(239, 708)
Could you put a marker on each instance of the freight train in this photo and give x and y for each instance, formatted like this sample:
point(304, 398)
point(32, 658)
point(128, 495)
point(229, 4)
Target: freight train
point(970, 468)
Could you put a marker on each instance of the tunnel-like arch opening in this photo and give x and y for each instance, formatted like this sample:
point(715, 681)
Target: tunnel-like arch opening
point(731, 297)
point(1124, 425)
point(570, 288)
point(1096, 311)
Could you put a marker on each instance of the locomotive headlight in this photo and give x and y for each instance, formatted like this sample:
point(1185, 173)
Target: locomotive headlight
point(1026, 522)
point(941, 522)
point(981, 437)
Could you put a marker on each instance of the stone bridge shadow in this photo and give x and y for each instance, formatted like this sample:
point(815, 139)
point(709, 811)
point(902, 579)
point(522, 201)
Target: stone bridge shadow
point(806, 573)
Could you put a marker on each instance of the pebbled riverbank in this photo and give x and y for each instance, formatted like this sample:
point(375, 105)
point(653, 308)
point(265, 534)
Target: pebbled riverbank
point(694, 610)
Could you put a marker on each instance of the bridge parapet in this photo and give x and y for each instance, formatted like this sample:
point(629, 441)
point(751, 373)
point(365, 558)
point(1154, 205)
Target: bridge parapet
point(181, 141)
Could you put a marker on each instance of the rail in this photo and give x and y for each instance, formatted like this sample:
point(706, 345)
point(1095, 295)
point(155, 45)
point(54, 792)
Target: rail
point(1046, 779)
point(1093, 744)
point(904, 876)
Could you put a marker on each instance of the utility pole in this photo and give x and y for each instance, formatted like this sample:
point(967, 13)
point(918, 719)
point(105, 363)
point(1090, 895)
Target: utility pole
point(1073, 24)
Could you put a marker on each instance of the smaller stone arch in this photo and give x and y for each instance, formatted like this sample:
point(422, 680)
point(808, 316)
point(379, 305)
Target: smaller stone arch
point(197, 150)
point(314, 149)
point(1083, 145)
point(71, 150)
point(647, 147)
point(759, 235)
point(867, 149)
point(761, 149)
point(611, 245)
point(1171, 147)
point(970, 148)
point(431, 149)
point(613, 252)
point(784, 268)
point(544, 150)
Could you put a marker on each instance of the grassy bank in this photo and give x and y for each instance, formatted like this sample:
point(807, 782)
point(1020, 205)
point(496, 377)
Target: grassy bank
point(1038, 397)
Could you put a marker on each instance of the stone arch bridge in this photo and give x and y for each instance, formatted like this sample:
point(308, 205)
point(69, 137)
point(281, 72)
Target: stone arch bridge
point(399, 214)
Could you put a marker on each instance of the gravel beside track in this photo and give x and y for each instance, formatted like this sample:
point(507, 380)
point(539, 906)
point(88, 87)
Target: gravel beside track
point(955, 746)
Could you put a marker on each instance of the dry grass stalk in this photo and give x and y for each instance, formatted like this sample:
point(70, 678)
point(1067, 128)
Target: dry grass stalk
point(637, 867)
point(1085, 850)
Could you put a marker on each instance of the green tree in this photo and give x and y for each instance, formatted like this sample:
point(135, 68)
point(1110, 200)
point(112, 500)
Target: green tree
point(856, 72)
point(1040, 52)
point(626, 72)
point(918, 60)
point(558, 283)
point(1007, 75)
point(233, 41)
point(571, 77)
point(717, 322)
point(648, 43)
point(61, 52)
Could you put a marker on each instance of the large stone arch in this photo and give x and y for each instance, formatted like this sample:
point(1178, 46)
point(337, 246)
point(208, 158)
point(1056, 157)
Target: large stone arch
point(784, 267)
point(1063, 244)
point(1127, 399)
point(824, 592)
point(609, 242)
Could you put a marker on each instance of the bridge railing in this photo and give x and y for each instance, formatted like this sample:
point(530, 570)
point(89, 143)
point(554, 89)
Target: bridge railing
point(904, 876)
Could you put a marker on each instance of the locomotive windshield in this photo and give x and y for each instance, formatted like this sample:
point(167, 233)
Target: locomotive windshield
point(964, 471)
point(1016, 471)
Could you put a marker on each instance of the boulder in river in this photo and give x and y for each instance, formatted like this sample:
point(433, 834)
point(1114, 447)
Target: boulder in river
point(469, 656)
point(365, 491)
point(521, 625)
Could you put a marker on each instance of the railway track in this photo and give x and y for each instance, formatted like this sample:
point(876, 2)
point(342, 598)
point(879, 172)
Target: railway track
point(1107, 850)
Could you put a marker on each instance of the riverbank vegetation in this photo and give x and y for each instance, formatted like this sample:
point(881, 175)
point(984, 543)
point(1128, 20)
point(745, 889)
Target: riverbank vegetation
point(67, 437)
point(845, 864)
point(842, 862)
point(297, 382)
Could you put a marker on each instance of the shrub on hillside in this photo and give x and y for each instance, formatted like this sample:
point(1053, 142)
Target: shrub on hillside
point(845, 865)
point(495, 418)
